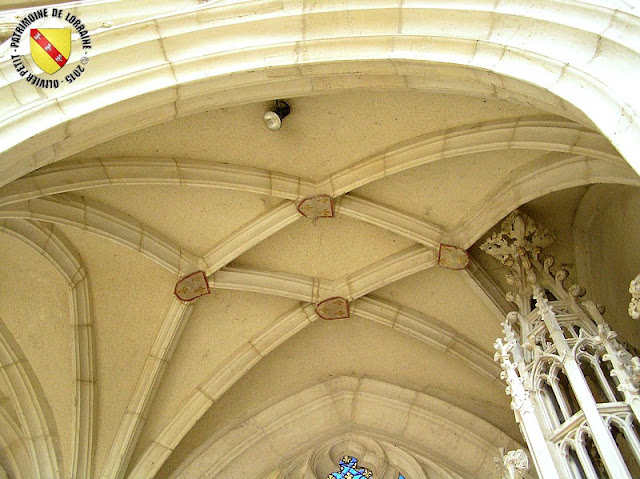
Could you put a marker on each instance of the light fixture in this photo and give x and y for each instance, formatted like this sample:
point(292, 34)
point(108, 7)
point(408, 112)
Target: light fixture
point(273, 119)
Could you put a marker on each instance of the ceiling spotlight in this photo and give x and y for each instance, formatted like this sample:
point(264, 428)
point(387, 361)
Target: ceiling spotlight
point(273, 119)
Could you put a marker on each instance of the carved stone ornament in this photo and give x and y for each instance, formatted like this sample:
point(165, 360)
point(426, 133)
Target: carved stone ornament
point(520, 397)
point(634, 305)
point(314, 207)
point(519, 236)
point(452, 257)
point(626, 366)
point(333, 308)
point(513, 464)
point(519, 245)
point(551, 324)
point(192, 286)
point(518, 459)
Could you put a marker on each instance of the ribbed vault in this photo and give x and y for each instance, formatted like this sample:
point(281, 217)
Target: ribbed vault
point(421, 124)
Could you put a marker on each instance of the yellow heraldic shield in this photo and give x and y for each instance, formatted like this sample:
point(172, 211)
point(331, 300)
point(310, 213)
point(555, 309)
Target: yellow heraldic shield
point(50, 48)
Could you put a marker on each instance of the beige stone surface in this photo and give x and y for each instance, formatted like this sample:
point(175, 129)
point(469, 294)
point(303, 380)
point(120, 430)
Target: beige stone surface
point(42, 329)
point(444, 299)
point(201, 224)
point(326, 248)
point(357, 348)
point(126, 303)
point(416, 191)
point(218, 325)
point(323, 134)
point(605, 215)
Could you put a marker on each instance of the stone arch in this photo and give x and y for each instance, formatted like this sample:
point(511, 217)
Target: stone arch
point(566, 59)
point(36, 422)
point(54, 246)
point(380, 413)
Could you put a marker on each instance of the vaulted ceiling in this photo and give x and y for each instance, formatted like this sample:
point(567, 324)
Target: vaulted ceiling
point(106, 372)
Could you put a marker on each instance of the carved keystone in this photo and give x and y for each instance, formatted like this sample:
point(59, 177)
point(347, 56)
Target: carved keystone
point(314, 207)
point(192, 286)
point(452, 257)
point(333, 308)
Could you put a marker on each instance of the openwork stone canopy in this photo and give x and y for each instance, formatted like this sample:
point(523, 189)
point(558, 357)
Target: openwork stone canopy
point(571, 382)
point(518, 241)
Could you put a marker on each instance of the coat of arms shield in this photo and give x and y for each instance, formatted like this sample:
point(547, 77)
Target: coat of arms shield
point(50, 48)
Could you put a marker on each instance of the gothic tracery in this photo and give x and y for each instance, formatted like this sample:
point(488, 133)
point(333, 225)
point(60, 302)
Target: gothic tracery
point(568, 375)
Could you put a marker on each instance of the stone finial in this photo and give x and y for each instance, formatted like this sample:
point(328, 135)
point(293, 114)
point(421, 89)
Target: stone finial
point(518, 236)
point(518, 460)
point(513, 464)
point(518, 245)
point(634, 305)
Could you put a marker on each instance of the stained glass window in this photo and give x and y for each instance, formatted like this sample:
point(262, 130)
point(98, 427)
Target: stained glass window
point(349, 470)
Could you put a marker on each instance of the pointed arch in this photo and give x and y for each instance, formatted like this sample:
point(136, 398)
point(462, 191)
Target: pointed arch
point(54, 246)
point(581, 61)
point(348, 405)
point(36, 421)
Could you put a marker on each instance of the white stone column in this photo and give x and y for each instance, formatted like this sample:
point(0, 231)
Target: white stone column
point(609, 452)
point(624, 366)
point(525, 414)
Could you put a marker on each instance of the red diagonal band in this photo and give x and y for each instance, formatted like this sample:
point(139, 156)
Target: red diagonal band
point(48, 47)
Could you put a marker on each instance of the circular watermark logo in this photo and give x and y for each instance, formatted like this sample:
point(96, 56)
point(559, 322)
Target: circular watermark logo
point(41, 49)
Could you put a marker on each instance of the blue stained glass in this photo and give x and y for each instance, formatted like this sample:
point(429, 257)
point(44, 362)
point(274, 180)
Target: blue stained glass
point(349, 470)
